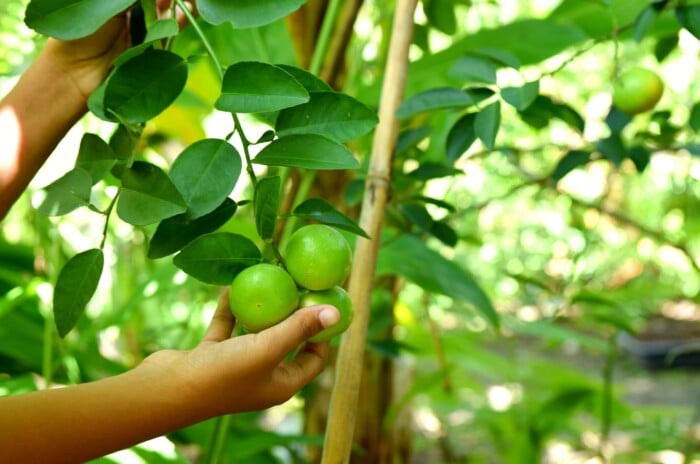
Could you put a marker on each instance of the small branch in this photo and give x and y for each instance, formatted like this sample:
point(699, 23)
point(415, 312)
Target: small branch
point(607, 395)
point(108, 215)
point(210, 50)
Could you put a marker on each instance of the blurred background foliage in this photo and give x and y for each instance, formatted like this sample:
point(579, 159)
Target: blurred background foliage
point(576, 254)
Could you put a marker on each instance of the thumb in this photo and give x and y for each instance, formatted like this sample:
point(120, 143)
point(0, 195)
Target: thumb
point(296, 329)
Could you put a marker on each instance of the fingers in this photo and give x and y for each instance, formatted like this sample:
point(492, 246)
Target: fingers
point(296, 329)
point(290, 376)
point(222, 323)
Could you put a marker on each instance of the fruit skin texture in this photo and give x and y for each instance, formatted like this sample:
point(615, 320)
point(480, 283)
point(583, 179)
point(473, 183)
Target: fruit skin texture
point(637, 90)
point(337, 297)
point(262, 295)
point(318, 257)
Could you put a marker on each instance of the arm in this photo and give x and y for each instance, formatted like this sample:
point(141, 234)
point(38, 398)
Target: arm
point(168, 391)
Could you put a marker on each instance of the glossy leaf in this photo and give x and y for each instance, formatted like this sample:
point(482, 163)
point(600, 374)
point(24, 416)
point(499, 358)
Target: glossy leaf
point(69, 192)
point(205, 174)
point(410, 257)
point(334, 115)
point(444, 232)
point(521, 97)
point(95, 156)
point(569, 162)
point(217, 258)
point(487, 123)
point(306, 79)
point(71, 19)
point(148, 196)
point(317, 209)
point(473, 68)
point(246, 13)
point(266, 203)
point(162, 29)
point(143, 86)
point(74, 288)
point(254, 87)
point(461, 137)
point(307, 151)
point(436, 99)
point(174, 233)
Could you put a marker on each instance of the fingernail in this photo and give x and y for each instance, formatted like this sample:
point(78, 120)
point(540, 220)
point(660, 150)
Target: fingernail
point(329, 316)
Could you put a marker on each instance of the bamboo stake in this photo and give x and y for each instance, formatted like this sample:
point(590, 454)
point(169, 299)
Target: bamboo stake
point(344, 398)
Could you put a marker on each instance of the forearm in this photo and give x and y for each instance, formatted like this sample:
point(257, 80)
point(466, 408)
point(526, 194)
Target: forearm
point(78, 423)
point(34, 117)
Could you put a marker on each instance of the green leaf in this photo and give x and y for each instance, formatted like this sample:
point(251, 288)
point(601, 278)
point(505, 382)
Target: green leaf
point(317, 209)
point(71, 19)
point(487, 123)
point(409, 138)
point(498, 55)
point(254, 87)
point(694, 119)
point(521, 97)
point(162, 29)
point(569, 162)
point(143, 86)
point(689, 17)
point(95, 156)
point(461, 137)
point(640, 156)
point(544, 109)
point(147, 195)
point(411, 258)
point(417, 214)
point(305, 78)
point(441, 15)
point(65, 194)
point(444, 232)
point(427, 171)
point(246, 13)
point(266, 203)
point(307, 151)
point(644, 21)
point(205, 173)
point(617, 120)
point(174, 233)
point(472, 68)
point(75, 286)
point(613, 148)
point(436, 99)
point(664, 46)
point(334, 115)
point(217, 258)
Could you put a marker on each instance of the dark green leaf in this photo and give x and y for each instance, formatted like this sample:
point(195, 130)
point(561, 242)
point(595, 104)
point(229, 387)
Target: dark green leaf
point(644, 21)
point(435, 99)
point(246, 13)
point(148, 196)
point(427, 171)
point(334, 115)
point(640, 156)
point(65, 194)
point(613, 148)
point(487, 123)
point(417, 215)
point(434, 201)
point(307, 151)
point(689, 17)
point(498, 55)
point(174, 233)
point(569, 162)
point(305, 78)
point(254, 87)
point(95, 156)
point(71, 19)
point(410, 138)
point(617, 120)
point(521, 97)
point(543, 110)
point(411, 258)
point(472, 68)
point(123, 142)
point(444, 232)
point(217, 258)
point(75, 286)
point(664, 46)
point(694, 120)
point(143, 86)
point(205, 174)
point(266, 204)
point(316, 209)
point(441, 15)
point(461, 137)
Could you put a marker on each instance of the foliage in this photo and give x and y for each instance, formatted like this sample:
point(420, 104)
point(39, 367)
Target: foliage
point(530, 221)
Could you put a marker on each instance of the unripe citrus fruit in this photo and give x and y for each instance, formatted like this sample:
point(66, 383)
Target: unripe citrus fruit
point(318, 257)
point(335, 296)
point(637, 90)
point(261, 296)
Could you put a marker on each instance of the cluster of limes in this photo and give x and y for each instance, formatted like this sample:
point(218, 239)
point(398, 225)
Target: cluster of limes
point(317, 260)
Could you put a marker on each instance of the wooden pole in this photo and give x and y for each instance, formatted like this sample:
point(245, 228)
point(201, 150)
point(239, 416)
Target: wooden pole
point(344, 398)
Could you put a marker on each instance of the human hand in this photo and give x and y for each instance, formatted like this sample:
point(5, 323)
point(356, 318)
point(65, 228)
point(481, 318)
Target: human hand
point(224, 375)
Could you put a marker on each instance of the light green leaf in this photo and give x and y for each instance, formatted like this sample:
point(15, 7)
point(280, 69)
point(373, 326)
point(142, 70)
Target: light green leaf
point(71, 19)
point(307, 151)
point(65, 194)
point(75, 286)
point(305, 78)
point(266, 203)
point(521, 97)
point(254, 87)
point(95, 156)
point(246, 13)
point(487, 123)
point(162, 29)
point(436, 99)
point(472, 68)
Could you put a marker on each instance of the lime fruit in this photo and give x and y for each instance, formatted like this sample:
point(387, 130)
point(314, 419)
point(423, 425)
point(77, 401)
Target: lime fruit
point(318, 257)
point(335, 296)
point(261, 296)
point(637, 90)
